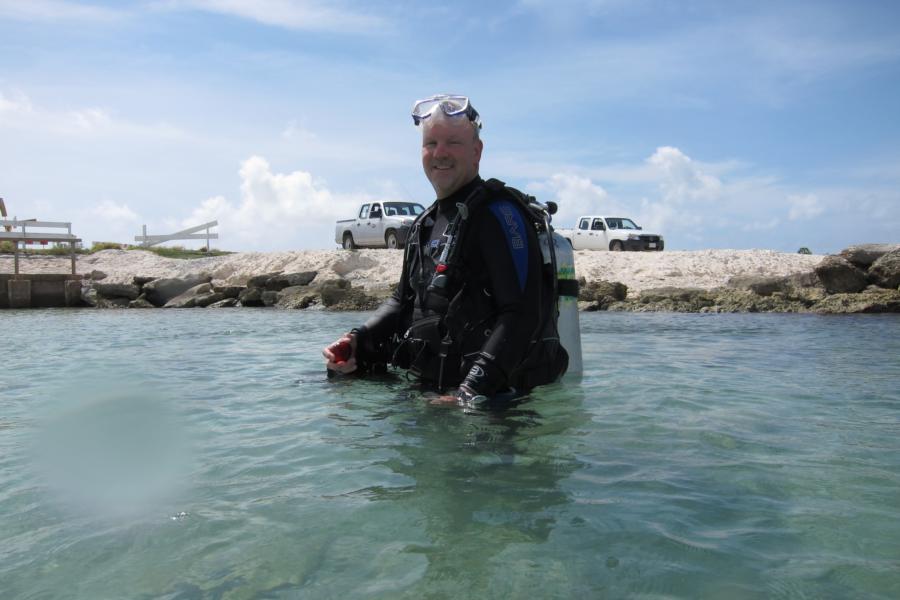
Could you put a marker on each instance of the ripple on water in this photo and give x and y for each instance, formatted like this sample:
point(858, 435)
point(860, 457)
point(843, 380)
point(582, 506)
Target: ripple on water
point(698, 456)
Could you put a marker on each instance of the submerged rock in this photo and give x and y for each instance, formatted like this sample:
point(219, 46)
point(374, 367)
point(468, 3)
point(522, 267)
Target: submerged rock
point(226, 303)
point(599, 295)
point(140, 302)
point(296, 297)
point(873, 300)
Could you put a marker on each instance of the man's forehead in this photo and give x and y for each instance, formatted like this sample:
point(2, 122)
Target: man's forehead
point(447, 127)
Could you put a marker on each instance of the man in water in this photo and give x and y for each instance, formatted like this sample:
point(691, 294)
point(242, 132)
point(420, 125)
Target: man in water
point(471, 311)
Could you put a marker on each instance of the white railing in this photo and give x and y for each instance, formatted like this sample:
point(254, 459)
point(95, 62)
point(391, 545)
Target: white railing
point(184, 234)
point(8, 227)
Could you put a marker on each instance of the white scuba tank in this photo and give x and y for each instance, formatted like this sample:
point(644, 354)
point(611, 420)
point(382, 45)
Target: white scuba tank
point(567, 325)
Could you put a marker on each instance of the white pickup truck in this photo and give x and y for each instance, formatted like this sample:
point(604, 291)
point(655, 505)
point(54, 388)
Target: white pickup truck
point(378, 225)
point(598, 232)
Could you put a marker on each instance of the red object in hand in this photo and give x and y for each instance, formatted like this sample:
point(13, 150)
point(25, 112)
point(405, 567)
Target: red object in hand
point(342, 352)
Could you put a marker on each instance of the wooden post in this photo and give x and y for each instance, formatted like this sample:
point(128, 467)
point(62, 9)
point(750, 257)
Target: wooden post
point(72, 246)
point(16, 256)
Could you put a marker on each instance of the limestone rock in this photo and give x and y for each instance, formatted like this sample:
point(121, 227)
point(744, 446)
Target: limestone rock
point(719, 300)
point(91, 297)
point(140, 280)
point(259, 281)
point(885, 271)
point(339, 294)
point(864, 255)
point(332, 291)
point(279, 282)
point(117, 290)
point(140, 302)
point(599, 295)
point(251, 296)
point(226, 303)
point(228, 291)
point(160, 291)
point(188, 298)
point(840, 277)
point(96, 275)
point(759, 285)
point(204, 300)
point(870, 301)
point(599, 290)
point(269, 297)
point(804, 279)
point(296, 297)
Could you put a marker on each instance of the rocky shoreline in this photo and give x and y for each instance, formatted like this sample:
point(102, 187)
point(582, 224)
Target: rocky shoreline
point(860, 279)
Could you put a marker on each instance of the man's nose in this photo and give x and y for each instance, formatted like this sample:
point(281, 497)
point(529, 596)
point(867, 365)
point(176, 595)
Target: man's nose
point(440, 149)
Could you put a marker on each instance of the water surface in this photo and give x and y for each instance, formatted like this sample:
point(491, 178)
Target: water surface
point(203, 454)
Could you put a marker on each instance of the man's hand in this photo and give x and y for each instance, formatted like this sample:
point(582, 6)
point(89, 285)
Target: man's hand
point(464, 396)
point(340, 356)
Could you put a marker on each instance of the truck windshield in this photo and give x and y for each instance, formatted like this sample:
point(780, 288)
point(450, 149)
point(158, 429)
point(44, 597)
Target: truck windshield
point(620, 223)
point(410, 209)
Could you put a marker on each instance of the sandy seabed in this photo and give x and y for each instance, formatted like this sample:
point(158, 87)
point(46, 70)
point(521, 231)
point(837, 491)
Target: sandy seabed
point(374, 269)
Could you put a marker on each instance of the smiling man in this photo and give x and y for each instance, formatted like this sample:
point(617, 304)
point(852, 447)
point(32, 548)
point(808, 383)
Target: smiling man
point(473, 313)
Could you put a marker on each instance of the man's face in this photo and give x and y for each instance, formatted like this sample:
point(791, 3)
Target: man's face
point(450, 154)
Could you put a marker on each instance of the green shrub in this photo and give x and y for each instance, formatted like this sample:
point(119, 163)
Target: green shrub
point(804, 250)
point(180, 251)
point(98, 246)
point(6, 246)
point(58, 251)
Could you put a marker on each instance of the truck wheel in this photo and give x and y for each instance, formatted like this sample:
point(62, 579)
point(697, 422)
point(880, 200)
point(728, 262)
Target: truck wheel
point(390, 239)
point(348, 242)
point(616, 246)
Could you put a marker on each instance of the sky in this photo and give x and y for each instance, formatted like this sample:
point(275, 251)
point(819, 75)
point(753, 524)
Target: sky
point(735, 124)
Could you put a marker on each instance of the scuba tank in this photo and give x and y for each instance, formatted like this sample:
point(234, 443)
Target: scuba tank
point(567, 300)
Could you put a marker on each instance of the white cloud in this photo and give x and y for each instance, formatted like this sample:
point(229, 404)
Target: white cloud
point(302, 15)
point(681, 180)
point(767, 225)
point(55, 10)
point(804, 207)
point(14, 105)
point(110, 211)
point(295, 132)
point(276, 211)
point(17, 111)
point(575, 196)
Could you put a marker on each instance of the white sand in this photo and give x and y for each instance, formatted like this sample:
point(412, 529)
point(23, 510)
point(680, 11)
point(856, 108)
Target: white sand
point(381, 268)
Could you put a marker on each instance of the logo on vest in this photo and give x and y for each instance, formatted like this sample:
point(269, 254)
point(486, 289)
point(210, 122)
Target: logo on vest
point(515, 236)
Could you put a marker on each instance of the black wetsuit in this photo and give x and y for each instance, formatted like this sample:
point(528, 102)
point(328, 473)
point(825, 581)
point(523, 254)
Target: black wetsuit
point(497, 312)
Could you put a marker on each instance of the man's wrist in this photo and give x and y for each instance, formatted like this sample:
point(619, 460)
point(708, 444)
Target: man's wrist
point(466, 396)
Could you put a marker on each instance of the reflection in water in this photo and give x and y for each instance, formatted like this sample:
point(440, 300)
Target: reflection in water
point(481, 482)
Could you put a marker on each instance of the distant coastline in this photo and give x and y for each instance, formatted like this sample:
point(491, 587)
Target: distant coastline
point(676, 280)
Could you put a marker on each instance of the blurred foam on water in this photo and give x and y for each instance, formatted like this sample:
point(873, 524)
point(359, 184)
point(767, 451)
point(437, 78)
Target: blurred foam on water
point(111, 445)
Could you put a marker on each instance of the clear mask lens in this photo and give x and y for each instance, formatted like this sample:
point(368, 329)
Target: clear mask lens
point(451, 106)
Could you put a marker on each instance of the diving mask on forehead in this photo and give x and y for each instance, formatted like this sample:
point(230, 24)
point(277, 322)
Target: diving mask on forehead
point(451, 105)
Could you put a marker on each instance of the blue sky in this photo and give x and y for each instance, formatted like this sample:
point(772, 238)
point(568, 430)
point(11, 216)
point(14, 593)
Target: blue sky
point(719, 124)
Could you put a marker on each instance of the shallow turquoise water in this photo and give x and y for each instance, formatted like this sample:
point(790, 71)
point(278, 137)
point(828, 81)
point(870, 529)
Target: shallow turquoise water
point(203, 454)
